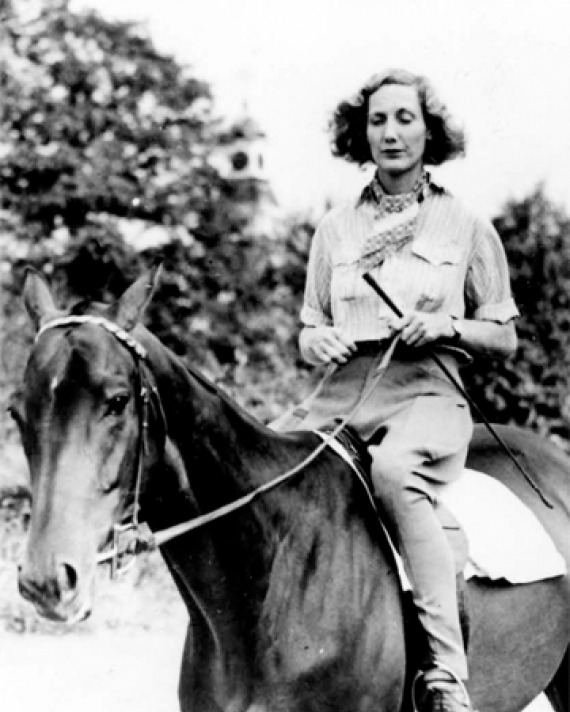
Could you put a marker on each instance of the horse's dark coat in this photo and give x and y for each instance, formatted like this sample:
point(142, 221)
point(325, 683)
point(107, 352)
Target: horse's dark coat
point(294, 602)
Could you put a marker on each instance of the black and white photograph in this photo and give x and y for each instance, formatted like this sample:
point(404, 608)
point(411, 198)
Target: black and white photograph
point(284, 356)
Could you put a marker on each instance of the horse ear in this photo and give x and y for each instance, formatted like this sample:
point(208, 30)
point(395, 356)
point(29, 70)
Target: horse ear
point(128, 310)
point(38, 298)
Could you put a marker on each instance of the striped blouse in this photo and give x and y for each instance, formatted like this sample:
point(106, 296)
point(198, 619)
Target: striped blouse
point(455, 264)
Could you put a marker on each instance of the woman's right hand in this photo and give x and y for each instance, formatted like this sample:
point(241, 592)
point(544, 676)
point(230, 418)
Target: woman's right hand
point(323, 344)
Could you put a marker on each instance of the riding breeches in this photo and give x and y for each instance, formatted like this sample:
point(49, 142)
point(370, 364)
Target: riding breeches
point(417, 428)
point(424, 446)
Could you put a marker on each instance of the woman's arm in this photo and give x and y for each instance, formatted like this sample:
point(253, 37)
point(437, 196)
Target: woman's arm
point(487, 338)
point(478, 336)
point(320, 342)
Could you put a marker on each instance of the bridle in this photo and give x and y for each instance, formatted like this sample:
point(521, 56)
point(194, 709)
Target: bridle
point(132, 537)
point(128, 535)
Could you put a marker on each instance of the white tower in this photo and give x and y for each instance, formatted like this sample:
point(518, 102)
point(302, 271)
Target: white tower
point(243, 152)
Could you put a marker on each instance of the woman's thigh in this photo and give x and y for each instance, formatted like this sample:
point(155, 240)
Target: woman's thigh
point(425, 444)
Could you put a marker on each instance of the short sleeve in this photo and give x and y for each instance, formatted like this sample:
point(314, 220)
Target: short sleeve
point(488, 289)
point(316, 310)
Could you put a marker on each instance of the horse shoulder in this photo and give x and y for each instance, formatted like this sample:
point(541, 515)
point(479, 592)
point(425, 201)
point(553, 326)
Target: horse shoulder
point(332, 570)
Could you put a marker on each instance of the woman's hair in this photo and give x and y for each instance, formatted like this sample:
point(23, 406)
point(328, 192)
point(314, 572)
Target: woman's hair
point(445, 140)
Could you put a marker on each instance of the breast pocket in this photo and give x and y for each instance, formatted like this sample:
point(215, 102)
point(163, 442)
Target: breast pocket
point(438, 274)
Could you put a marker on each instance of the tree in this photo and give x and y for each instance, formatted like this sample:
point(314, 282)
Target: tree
point(102, 128)
point(532, 389)
point(110, 141)
point(98, 121)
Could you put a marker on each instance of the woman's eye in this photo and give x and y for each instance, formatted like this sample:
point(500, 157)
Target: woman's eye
point(405, 118)
point(117, 404)
point(376, 120)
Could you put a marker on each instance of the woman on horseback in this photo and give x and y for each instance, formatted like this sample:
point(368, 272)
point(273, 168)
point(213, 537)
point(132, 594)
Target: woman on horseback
point(446, 270)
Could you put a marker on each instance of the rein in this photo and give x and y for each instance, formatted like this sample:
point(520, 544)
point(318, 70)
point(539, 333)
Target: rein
point(134, 537)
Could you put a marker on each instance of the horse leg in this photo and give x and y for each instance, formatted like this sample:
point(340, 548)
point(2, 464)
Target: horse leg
point(558, 690)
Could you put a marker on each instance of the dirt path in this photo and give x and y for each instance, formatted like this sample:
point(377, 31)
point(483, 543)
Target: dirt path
point(103, 672)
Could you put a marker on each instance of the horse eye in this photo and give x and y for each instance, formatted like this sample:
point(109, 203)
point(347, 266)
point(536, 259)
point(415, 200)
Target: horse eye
point(13, 413)
point(117, 404)
point(14, 410)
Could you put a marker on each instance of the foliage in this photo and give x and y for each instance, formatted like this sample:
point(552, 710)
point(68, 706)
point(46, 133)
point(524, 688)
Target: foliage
point(112, 163)
point(532, 389)
point(98, 122)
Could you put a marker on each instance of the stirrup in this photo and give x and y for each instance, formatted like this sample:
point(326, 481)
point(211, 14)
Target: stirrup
point(454, 679)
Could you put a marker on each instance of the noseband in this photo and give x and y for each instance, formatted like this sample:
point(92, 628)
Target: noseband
point(128, 536)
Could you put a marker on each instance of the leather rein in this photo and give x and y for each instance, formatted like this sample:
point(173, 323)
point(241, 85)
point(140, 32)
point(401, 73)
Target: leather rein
point(131, 537)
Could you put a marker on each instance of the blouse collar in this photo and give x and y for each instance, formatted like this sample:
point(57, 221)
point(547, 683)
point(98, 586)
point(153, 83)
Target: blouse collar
point(373, 193)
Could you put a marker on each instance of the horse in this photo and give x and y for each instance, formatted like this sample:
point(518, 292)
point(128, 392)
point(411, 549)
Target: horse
point(294, 600)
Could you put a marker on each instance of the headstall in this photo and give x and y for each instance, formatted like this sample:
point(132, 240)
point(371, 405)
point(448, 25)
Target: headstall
point(130, 537)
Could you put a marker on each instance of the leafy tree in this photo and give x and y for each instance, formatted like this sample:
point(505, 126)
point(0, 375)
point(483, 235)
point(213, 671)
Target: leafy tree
point(103, 131)
point(99, 122)
point(532, 389)
point(107, 139)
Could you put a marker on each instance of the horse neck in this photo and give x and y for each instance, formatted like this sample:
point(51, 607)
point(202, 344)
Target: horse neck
point(234, 574)
point(212, 433)
point(217, 451)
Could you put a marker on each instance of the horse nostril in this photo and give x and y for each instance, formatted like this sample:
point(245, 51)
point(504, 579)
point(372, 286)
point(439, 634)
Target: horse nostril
point(66, 578)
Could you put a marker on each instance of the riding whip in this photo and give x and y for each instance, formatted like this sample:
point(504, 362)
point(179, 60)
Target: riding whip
point(369, 279)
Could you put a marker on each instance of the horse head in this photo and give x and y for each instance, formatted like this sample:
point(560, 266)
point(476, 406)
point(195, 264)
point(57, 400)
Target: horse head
point(79, 415)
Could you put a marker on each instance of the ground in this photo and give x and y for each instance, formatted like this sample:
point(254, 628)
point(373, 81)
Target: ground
point(112, 671)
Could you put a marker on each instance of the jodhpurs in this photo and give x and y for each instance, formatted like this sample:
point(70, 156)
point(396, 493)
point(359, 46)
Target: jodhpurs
point(424, 447)
point(417, 427)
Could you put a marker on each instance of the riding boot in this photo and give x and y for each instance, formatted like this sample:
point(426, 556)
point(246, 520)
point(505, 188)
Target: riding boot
point(441, 691)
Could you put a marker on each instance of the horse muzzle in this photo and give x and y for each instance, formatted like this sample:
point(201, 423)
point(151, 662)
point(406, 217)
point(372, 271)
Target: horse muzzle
point(56, 595)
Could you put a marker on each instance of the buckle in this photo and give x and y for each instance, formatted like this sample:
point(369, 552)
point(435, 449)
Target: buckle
point(129, 540)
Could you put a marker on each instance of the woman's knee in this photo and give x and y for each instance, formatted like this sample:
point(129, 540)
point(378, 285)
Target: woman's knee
point(395, 481)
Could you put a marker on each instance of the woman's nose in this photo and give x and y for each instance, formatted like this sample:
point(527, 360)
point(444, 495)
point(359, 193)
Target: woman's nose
point(390, 131)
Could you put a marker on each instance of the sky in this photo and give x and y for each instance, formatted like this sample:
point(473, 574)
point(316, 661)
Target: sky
point(501, 66)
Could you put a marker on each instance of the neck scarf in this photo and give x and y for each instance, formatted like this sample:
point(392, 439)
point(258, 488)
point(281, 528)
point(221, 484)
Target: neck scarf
point(396, 218)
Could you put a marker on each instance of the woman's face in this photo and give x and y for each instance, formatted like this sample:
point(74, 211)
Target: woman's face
point(396, 131)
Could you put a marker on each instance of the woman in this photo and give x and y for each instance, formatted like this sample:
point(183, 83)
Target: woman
point(446, 270)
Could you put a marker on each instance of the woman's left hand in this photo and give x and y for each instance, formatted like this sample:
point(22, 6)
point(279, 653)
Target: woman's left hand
point(421, 328)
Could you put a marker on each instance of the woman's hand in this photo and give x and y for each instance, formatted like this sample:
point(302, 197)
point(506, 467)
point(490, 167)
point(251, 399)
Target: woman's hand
point(421, 328)
point(323, 344)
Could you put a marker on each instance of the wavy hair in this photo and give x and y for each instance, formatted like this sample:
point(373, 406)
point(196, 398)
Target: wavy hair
point(445, 139)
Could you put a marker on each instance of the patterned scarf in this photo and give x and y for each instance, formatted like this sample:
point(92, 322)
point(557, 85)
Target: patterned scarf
point(396, 221)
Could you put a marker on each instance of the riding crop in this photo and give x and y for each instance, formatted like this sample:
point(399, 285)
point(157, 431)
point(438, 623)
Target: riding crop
point(369, 279)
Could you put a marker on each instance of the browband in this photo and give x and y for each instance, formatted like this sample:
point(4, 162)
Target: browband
point(122, 335)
